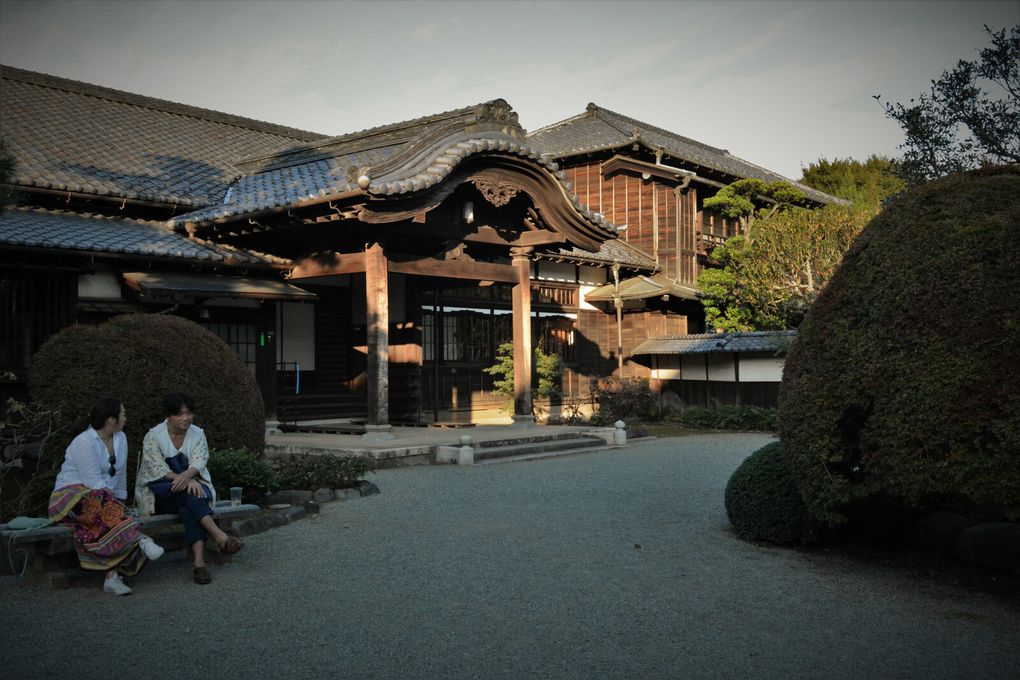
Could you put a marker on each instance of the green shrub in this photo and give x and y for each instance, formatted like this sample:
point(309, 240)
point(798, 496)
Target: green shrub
point(547, 369)
point(902, 380)
point(763, 503)
point(629, 400)
point(727, 417)
point(310, 472)
point(241, 468)
point(139, 358)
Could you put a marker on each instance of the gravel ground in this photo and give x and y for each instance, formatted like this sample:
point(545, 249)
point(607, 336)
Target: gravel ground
point(615, 564)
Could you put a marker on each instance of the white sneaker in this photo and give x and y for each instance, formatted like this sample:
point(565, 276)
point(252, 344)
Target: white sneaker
point(116, 586)
point(149, 547)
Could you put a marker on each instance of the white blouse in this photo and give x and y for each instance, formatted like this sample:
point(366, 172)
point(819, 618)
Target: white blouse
point(88, 462)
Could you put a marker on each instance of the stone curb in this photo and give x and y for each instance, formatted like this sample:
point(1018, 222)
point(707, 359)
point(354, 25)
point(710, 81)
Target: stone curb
point(292, 505)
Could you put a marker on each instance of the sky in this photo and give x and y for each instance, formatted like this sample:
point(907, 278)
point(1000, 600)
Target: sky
point(780, 84)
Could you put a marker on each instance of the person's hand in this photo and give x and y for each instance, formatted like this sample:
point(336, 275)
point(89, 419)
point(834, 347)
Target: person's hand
point(180, 483)
point(195, 488)
point(182, 480)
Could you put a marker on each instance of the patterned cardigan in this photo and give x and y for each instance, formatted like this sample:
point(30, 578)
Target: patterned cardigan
point(156, 448)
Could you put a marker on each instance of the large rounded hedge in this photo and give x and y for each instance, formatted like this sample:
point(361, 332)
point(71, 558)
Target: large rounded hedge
point(139, 358)
point(902, 382)
point(763, 503)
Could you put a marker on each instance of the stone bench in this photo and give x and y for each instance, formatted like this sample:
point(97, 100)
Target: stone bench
point(42, 551)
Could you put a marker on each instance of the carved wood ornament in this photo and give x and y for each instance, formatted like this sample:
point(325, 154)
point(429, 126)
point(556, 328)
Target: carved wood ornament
point(498, 194)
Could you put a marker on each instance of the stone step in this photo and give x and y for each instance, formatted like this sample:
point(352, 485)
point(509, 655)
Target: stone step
point(528, 439)
point(545, 445)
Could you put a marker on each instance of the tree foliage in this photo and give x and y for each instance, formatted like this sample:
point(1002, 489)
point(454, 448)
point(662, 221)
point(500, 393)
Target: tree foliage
point(749, 199)
point(769, 283)
point(546, 367)
point(970, 117)
point(868, 184)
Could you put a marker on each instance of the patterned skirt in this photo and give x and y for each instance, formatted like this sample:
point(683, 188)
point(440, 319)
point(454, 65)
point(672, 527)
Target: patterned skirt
point(103, 536)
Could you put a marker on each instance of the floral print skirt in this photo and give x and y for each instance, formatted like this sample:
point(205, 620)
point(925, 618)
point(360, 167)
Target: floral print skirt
point(104, 537)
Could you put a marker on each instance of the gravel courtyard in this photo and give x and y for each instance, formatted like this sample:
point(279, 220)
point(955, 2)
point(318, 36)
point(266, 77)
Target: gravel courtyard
point(617, 564)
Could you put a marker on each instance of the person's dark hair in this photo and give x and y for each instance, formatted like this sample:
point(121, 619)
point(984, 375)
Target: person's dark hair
point(103, 409)
point(173, 402)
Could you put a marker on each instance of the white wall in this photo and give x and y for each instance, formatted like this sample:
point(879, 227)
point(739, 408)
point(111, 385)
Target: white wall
point(592, 276)
point(295, 333)
point(667, 367)
point(556, 271)
point(103, 285)
point(720, 368)
point(761, 369)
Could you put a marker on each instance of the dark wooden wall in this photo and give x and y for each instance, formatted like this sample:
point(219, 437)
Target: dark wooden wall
point(596, 332)
point(627, 199)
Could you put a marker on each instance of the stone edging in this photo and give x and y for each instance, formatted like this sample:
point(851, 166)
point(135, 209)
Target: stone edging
point(291, 505)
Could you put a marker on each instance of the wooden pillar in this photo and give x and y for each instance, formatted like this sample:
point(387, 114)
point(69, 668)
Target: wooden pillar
point(377, 313)
point(523, 415)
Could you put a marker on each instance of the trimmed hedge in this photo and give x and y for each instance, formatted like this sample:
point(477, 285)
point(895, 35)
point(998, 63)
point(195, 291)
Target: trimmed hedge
point(311, 472)
point(902, 381)
point(763, 503)
point(256, 477)
point(139, 358)
point(727, 417)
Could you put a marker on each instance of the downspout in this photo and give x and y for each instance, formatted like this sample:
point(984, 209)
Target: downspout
point(618, 303)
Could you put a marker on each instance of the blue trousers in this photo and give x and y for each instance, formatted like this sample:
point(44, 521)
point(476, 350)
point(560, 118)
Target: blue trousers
point(191, 510)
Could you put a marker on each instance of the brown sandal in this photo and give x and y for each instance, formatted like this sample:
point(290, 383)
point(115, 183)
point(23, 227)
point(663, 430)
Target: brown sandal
point(201, 575)
point(231, 546)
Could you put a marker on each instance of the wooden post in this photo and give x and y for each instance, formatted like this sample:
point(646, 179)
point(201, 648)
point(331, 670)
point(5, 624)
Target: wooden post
point(377, 313)
point(523, 415)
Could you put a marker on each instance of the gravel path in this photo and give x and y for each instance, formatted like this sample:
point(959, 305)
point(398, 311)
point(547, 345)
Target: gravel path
point(615, 564)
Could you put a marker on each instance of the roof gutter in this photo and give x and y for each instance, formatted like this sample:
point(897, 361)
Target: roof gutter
point(191, 226)
point(106, 198)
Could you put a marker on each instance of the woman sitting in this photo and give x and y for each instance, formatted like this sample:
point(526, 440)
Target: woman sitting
point(173, 479)
point(87, 497)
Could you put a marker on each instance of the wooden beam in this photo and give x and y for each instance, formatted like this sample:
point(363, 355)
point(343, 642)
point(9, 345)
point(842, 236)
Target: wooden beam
point(540, 238)
point(455, 269)
point(332, 265)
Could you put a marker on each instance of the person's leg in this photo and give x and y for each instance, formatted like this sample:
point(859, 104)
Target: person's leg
point(195, 513)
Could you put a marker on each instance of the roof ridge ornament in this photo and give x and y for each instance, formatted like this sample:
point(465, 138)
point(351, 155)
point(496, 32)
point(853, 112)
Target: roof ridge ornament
point(499, 111)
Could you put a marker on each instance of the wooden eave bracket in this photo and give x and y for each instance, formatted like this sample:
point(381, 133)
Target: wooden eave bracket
point(667, 173)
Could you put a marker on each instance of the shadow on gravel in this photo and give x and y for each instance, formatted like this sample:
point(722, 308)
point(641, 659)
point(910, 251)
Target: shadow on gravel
point(857, 554)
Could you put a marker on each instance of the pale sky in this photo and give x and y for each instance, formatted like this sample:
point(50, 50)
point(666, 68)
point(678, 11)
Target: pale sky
point(779, 84)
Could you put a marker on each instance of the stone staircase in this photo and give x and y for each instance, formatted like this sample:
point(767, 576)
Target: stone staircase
point(535, 446)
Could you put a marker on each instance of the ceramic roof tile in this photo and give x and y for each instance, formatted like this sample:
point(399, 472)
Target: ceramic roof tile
point(600, 128)
point(34, 228)
point(610, 251)
point(708, 343)
point(73, 136)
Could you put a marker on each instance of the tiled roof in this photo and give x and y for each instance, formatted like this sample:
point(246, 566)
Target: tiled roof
point(642, 288)
point(613, 250)
point(33, 228)
point(386, 161)
point(708, 343)
point(600, 128)
point(72, 136)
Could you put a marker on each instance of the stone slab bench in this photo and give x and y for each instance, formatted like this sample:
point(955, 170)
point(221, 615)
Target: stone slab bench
point(42, 550)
